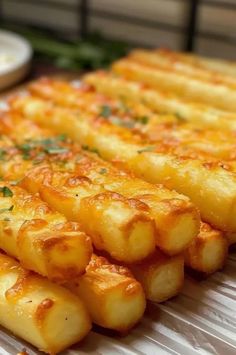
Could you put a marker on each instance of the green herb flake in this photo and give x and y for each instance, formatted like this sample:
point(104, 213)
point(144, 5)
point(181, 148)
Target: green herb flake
point(123, 107)
point(56, 150)
point(180, 117)
point(143, 119)
point(25, 148)
point(6, 191)
point(3, 210)
point(62, 137)
point(122, 123)
point(146, 149)
point(2, 154)
point(103, 171)
point(92, 150)
point(105, 111)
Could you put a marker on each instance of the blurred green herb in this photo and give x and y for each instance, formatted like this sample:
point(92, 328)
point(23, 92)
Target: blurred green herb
point(105, 111)
point(146, 149)
point(142, 119)
point(103, 171)
point(92, 53)
point(2, 210)
point(6, 191)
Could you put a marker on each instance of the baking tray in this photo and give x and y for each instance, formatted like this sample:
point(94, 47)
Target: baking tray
point(201, 320)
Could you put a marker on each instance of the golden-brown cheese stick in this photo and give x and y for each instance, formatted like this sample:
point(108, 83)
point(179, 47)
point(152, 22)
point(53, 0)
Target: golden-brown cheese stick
point(162, 203)
point(125, 219)
point(208, 251)
point(225, 67)
point(162, 277)
point(176, 62)
point(85, 98)
point(205, 185)
point(41, 239)
point(46, 315)
point(116, 224)
point(176, 219)
point(173, 214)
point(219, 96)
point(179, 137)
point(160, 101)
point(114, 298)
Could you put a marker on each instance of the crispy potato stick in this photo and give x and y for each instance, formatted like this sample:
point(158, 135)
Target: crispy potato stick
point(39, 311)
point(162, 277)
point(160, 101)
point(170, 132)
point(208, 251)
point(114, 298)
point(101, 212)
point(204, 183)
point(219, 96)
point(225, 67)
point(173, 214)
point(176, 62)
point(85, 98)
point(41, 239)
point(116, 224)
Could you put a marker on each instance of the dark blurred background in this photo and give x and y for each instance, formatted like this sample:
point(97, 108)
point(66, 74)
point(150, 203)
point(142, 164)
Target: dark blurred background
point(86, 34)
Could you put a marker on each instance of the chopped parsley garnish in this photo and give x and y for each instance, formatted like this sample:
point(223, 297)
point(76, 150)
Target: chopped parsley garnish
point(6, 191)
point(2, 154)
point(48, 145)
point(26, 149)
point(56, 150)
point(142, 119)
point(92, 150)
point(146, 149)
point(180, 117)
point(124, 107)
point(62, 137)
point(105, 111)
point(121, 122)
point(103, 171)
point(2, 210)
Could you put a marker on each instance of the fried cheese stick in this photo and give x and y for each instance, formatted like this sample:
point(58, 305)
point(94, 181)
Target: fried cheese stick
point(176, 135)
point(162, 277)
point(119, 225)
point(225, 67)
point(173, 214)
point(41, 239)
point(208, 251)
point(177, 62)
point(205, 185)
point(39, 311)
point(161, 101)
point(114, 298)
point(219, 96)
point(113, 179)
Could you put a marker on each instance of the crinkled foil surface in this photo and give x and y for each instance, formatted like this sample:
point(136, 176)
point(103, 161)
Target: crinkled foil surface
point(201, 320)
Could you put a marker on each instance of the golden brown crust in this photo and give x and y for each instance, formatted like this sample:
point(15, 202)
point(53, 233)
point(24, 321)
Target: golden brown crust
point(20, 287)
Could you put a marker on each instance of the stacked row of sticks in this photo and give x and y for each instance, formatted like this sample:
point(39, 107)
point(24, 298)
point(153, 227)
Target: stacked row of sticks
point(110, 187)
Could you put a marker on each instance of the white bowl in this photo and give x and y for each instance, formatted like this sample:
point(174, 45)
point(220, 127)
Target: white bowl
point(15, 57)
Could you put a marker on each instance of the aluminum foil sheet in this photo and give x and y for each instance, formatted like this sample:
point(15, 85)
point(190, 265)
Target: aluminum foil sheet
point(201, 320)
